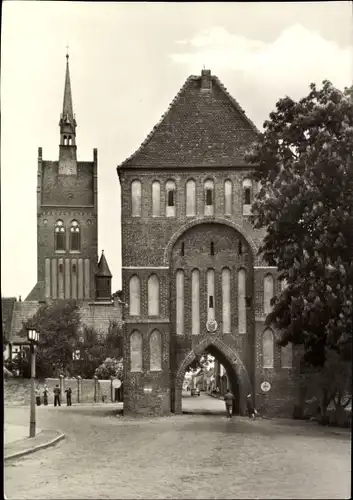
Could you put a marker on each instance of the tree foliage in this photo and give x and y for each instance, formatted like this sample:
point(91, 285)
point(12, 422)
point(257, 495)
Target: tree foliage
point(110, 367)
point(305, 169)
point(200, 363)
point(66, 347)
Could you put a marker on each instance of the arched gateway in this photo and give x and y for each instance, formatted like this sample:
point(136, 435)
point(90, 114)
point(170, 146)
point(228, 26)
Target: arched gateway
point(190, 270)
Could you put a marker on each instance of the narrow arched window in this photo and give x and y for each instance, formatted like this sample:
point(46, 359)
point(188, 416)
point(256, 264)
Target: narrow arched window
point(75, 242)
point(210, 295)
point(247, 189)
point(155, 351)
point(190, 198)
point(170, 199)
point(267, 349)
point(65, 140)
point(269, 290)
point(180, 302)
point(153, 295)
point(136, 198)
point(136, 351)
point(60, 244)
point(156, 199)
point(287, 355)
point(228, 198)
point(209, 197)
point(69, 140)
point(226, 300)
point(240, 248)
point(195, 302)
point(134, 296)
point(242, 301)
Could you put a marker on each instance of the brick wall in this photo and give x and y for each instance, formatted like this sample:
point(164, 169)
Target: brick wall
point(17, 391)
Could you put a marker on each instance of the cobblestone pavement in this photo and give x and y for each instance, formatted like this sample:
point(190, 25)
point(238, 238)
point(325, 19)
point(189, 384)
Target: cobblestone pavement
point(202, 404)
point(189, 456)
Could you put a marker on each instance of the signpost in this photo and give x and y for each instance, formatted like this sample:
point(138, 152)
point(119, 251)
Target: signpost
point(265, 386)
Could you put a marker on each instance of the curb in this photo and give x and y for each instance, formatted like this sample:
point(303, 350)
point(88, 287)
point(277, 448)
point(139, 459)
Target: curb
point(38, 447)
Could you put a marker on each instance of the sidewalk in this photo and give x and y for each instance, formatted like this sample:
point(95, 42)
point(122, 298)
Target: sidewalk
point(17, 443)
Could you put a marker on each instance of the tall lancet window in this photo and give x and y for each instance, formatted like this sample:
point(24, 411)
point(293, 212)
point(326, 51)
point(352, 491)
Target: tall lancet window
point(170, 199)
point(153, 295)
point(210, 295)
point(247, 188)
point(134, 296)
point(136, 198)
point(209, 197)
point(155, 351)
point(269, 291)
point(60, 236)
point(242, 301)
point(156, 199)
point(195, 301)
point(75, 236)
point(136, 352)
point(180, 302)
point(226, 301)
point(190, 198)
point(228, 197)
point(267, 349)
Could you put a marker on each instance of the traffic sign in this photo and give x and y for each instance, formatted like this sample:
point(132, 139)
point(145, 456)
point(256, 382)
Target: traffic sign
point(265, 386)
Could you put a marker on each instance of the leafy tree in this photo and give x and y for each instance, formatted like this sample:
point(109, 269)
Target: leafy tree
point(200, 363)
point(305, 168)
point(66, 347)
point(58, 323)
point(111, 367)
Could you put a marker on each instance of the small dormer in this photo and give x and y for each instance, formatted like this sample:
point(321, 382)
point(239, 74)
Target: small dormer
point(103, 280)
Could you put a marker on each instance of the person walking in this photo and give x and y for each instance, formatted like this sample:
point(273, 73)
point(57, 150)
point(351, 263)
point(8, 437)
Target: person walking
point(37, 391)
point(45, 393)
point(57, 395)
point(68, 396)
point(250, 407)
point(228, 399)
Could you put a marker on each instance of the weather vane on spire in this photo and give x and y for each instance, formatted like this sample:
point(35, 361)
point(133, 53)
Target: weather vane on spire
point(67, 51)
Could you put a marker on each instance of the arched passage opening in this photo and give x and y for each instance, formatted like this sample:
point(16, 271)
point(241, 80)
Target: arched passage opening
point(210, 401)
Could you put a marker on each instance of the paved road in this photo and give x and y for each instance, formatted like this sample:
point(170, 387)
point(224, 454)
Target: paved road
point(202, 404)
point(189, 456)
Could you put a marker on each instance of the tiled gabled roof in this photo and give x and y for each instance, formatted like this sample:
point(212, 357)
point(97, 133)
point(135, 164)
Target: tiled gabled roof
point(7, 305)
point(23, 311)
point(200, 128)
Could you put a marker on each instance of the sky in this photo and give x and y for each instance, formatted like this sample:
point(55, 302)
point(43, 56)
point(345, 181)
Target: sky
point(127, 62)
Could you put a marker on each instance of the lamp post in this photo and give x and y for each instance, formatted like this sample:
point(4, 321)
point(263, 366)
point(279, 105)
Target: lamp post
point(33, 338)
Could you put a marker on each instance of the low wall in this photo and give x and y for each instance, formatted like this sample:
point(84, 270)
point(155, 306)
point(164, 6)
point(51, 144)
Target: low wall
point(17, 391)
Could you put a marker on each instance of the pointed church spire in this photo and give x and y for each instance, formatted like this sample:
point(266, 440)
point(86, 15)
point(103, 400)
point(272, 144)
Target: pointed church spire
point(67, 150)
point(67, 114)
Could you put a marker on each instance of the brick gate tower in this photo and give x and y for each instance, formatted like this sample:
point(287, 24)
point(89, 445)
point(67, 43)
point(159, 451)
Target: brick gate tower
point(192, 276)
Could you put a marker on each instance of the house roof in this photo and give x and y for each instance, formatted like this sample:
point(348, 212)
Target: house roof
point(37, 292)
point(23, 311)
point(103, 268)
point(7, 305)
point(202, 127)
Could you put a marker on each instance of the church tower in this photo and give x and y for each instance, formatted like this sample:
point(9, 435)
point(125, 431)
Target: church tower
point(67, 225)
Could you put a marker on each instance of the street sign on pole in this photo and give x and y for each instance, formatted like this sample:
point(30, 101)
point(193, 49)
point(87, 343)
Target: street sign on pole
point(265, 386)
point(116, 383)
